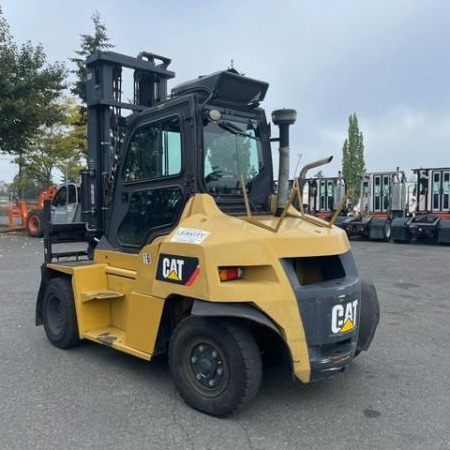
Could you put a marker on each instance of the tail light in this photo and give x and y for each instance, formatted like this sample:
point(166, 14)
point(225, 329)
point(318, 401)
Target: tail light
point(230, 273)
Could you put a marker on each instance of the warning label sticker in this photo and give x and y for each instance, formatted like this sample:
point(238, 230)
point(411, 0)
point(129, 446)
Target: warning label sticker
point(190, 235)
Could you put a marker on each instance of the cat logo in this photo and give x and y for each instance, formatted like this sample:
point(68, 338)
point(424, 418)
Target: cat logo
point(343, 317)
point(177, 269)
point(172, 269)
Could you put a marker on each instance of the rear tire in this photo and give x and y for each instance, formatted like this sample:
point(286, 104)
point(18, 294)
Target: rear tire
point(58, 313)
point(369, 316)
point(34, 224)
point(215, 364)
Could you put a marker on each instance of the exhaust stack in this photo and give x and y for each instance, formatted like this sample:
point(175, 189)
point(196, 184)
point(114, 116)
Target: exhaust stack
point(312, 165)
point(283, 118)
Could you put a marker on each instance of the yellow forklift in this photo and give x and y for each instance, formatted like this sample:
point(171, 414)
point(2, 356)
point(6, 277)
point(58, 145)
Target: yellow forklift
point(190, 251)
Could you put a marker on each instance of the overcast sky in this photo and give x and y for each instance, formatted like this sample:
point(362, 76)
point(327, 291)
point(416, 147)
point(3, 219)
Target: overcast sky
point(386, 60)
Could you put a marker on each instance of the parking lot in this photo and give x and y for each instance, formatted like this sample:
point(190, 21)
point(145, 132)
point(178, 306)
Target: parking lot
point(396, 396)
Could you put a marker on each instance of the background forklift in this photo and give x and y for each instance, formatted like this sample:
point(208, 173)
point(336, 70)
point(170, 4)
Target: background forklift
point(65, 208)
point(429, 217)
point(382, 201)
point(191, 253)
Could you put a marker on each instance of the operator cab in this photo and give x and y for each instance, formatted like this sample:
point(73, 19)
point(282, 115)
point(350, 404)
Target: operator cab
point(209, 136)
point(65, 206)
point(234, 144)
point(236, 152)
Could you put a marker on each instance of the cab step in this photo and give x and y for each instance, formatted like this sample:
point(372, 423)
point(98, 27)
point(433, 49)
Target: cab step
point(115, 338)
point(100, 295)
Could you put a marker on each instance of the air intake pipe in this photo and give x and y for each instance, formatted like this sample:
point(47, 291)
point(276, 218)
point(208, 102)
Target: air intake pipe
point(283, 118)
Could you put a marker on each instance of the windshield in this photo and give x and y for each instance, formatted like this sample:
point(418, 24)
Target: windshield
point(231, 149)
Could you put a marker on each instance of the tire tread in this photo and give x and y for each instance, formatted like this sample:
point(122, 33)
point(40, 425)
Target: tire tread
point(61, 287)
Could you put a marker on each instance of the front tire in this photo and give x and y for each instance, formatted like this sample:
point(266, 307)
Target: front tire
point(215, 364)
point(58, 313)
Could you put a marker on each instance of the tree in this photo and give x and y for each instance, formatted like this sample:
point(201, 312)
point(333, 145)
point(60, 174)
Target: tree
point(5, 188)
point(73, 144)
point(60, 145)
point(29, 87)
point(90, 44)
point(353, 164)
point(29, 90)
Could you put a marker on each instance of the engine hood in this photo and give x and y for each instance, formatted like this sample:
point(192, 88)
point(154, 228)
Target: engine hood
point(204, 224)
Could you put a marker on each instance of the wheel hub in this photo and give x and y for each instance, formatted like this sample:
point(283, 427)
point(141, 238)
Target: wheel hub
point(207, 366)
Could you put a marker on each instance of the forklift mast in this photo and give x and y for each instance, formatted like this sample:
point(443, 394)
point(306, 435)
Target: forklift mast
point(107, 123)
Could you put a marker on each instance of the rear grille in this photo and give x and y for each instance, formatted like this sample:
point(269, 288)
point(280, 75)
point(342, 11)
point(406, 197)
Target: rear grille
point(316, 269)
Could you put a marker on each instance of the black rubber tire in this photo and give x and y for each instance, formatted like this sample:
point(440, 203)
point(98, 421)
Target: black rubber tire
point(230, 359)
point(34, 224)
point(369, 316)
point(58, 313)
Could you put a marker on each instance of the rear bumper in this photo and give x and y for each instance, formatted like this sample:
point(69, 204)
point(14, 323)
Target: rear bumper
point(326, 360)
point(330, 311)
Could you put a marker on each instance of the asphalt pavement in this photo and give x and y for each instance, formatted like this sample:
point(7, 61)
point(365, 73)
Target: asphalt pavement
point(395, 396)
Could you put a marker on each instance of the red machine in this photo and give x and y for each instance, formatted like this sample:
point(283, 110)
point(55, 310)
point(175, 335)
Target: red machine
point(28, 216)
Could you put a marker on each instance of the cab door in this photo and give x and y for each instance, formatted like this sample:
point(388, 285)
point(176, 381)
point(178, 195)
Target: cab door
point(377, 194)
point(323, 195)
point(445, 190)
point(155, 177)
point(440, 190)
point(436, 199)
point(330, 195)
point(64, 208)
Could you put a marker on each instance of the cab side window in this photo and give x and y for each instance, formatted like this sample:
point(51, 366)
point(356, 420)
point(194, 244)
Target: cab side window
point(60, 197)
point(149, 209)
point(153, 153)
point(72, 194)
